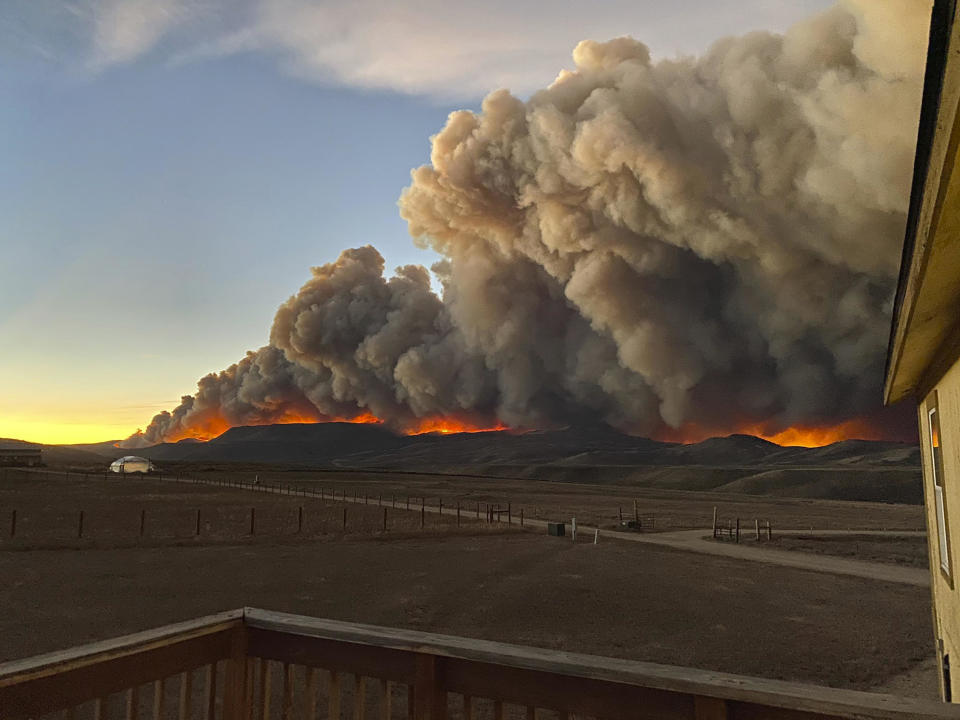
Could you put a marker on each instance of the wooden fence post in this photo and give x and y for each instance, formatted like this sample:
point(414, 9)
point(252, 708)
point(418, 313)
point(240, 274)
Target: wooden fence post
point(521, 517)
point(143, 521)
point(384, 519)
point(13, 523)
point(714, 521)
point(344, 518)
point(197, 533)
point(478, 511)
point(738, 529)
point(253, 521)
point(636, 515)
point(423, 515)
point(509, 513)
point(299, 519)
point(756, 523)
point(80, 525)
point(573, 529)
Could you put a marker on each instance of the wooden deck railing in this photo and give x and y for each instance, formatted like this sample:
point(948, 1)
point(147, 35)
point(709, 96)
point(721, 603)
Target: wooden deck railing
point(253, 664)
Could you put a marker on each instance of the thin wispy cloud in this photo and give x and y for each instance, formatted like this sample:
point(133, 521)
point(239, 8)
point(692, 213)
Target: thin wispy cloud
point(123, 30)
point(429, 47)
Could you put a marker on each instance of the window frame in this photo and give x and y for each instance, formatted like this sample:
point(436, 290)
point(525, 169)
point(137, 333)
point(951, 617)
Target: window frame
point(935, 448)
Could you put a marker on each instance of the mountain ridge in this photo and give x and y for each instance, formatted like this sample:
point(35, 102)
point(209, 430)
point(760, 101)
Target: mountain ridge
point(846, 470)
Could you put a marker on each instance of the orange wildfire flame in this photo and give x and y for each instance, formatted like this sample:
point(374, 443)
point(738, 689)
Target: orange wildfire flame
point(820, 436)
point(447, 426)
point(798, 435)
point(207, 428)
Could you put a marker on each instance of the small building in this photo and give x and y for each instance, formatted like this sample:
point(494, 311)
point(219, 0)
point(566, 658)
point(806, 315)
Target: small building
point(923, 361)
point(131, 464)
point(21, 457)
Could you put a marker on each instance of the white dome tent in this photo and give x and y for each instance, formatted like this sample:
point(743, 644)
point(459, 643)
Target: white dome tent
point(131, 464)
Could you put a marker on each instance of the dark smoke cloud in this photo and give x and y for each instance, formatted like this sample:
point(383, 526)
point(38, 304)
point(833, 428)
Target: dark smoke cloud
point(709, 241)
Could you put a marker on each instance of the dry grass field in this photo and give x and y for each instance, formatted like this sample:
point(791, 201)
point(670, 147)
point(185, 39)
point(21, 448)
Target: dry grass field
point(615, 599)
point(898, 550)
point(590, 503)
point(40, 510)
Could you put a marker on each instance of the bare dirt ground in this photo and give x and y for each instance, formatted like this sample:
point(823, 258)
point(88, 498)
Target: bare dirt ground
point(658, 605)
point(597, 504)
point(617, 598)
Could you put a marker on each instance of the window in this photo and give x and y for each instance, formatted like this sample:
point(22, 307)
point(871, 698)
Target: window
point(936, 462)
point(945, 667)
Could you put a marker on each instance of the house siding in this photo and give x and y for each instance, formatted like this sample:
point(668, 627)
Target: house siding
point(944, 589)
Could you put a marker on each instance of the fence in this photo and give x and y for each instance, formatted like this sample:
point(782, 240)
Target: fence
point(730, 529)
point(257, 664)
point(208, 523)
point(323, 511)
point(640, 522)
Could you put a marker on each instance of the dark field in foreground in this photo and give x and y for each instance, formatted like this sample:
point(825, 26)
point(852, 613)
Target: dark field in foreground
point(617, 599)
point(610, 599)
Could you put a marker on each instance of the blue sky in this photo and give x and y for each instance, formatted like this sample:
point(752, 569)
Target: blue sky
point(169, 170)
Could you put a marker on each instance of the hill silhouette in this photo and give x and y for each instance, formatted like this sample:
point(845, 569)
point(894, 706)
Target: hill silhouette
point(851, 469)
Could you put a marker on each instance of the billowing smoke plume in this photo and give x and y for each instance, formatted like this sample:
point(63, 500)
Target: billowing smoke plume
point(703, 242)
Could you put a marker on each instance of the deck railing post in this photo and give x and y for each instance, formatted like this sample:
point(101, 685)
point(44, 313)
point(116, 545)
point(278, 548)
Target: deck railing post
point(235, 695)
point(429, 697)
